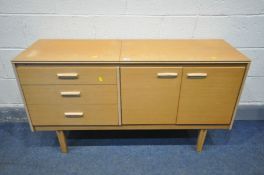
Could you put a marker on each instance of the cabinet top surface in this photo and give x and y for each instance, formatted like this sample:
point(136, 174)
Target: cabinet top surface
point(126, 51)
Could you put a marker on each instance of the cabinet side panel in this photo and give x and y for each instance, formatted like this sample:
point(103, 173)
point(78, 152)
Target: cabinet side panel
point(23, 97)
point(239, 95)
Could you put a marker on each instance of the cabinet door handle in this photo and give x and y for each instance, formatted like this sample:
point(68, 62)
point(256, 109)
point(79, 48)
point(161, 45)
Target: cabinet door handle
point(67, 75)
point(167, 75)
point(196, 75)
point(73, 114)
point(70, 93)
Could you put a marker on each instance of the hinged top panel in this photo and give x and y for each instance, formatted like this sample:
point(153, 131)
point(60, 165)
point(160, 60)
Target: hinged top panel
point(180, 51)
point(130, 51)
point(51, 50)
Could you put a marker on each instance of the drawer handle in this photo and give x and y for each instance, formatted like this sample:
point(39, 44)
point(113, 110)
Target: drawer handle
point(73, 114)
point(197, 75)
point(67, 75)
point(167, 75)
point(70, 93)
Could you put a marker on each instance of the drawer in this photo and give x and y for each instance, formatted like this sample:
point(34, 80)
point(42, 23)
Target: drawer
point(73, 115)
point(31, 74)
point(70, 94)
point(150, 94)
point(209, 94)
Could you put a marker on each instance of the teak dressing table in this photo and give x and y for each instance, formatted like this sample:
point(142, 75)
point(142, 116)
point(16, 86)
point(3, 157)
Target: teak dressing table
point(130, 85)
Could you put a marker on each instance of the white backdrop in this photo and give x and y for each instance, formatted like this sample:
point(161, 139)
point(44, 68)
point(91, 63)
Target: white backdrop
point(240, 22)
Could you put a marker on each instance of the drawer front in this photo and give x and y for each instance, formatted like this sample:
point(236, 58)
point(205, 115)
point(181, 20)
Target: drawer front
point(150, 94)
point(73, 115)
point(70, 94)
point(66, 75)
point(208, 94)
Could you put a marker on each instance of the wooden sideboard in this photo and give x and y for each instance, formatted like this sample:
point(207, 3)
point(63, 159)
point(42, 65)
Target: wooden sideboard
point(130, 85)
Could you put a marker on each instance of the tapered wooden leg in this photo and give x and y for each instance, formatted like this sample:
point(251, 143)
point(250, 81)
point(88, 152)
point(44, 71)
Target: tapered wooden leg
point(62, 141)
point(201, 139)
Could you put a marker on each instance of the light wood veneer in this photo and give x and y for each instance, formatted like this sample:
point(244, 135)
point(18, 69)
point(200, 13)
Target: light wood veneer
point(150, 98)
point(54, 115)
point(50, 74)
point(210, 99)
point(70, 94)
point(130, 84)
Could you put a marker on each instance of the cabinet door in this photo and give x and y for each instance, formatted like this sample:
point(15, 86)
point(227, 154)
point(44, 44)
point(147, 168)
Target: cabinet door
point(209, 94)
point(150, 94)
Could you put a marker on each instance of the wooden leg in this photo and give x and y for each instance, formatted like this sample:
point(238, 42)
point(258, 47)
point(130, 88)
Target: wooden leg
point(62, 141)
point(201, 139)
